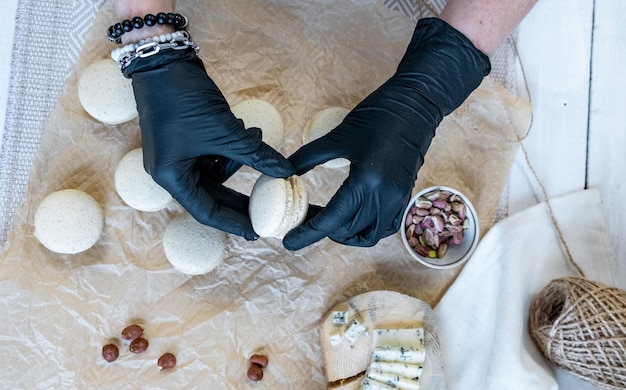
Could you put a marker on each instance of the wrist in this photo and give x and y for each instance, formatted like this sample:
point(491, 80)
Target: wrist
point(126, 9)
point(137, 35)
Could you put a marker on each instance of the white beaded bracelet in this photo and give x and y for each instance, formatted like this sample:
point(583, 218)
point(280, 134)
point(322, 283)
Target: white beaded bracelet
point(178, 40)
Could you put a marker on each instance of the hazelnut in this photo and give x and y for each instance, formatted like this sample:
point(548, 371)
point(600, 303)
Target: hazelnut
point(261, 360)
point(132, 332)
point(255, 372)
point(139, 345)
point(167, 361)
point(110, 352)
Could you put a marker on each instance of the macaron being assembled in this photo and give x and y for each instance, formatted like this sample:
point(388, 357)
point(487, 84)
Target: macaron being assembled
point(68, 221)
point(278, 205)
point(136, 187)
point(261, 114)
point(106, 94)
point(193, 248)
point(321, 124)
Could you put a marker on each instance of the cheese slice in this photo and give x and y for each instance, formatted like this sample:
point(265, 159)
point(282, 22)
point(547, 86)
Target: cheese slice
point(396, 381)
point(410, 337)
point(394, 353)
point(371, 384)
point(334, 339)
point(411, 371)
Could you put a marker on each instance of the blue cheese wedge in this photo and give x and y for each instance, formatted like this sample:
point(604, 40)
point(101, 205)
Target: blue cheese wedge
point(395, 381)
point(411, 371)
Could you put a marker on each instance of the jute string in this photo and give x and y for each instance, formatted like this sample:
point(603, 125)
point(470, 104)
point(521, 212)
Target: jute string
point(578, 324)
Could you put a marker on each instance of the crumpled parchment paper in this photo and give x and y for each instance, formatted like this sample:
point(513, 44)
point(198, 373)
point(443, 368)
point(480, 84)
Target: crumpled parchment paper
point(58, 311)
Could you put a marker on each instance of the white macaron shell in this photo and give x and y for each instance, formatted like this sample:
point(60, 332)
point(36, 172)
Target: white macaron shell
point(261, 114)
point(68, 221)
point(193, 248)
point(136, 187)
point(321, 124)
point(106, 94)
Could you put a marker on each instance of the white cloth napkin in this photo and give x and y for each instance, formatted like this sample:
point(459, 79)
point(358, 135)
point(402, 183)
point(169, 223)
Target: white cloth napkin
point(483, 316)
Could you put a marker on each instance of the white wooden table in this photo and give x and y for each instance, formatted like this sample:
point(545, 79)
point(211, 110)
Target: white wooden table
point(572, 53)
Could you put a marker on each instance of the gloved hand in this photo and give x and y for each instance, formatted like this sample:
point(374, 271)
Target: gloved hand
point(386, 136)
point(192, 142)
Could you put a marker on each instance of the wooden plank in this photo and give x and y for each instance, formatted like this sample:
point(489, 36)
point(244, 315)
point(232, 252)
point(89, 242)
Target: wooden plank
point(607, 122)
point(554, 43)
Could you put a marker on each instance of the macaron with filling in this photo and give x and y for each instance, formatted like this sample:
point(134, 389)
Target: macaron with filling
point(278, 205)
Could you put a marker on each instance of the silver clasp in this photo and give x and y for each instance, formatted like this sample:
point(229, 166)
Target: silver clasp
point(147, 50)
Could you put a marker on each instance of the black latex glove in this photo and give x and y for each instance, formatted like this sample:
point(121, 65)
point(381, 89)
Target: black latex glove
point(192, 142)
point(387, 135)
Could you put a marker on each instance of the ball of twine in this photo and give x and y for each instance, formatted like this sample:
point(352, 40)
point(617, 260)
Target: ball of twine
point(580, 326)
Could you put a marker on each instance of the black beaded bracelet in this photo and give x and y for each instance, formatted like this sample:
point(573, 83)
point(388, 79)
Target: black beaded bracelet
point(115, 32)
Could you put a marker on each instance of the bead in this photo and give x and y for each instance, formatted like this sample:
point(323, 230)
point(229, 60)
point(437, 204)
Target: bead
point(149, 20)
point(171, 19)
point(137, 22)
point(185, 22)
point(127, 25)
point(161, 18)
point(118, 29)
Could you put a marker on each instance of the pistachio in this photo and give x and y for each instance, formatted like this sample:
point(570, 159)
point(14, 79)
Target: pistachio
point(433, 195)
point(422, 212)
point(441, 251)
point(410, 231)
point(454, 219)
point(421, 250)
point(438, 224)
point(442, 205)
point(423, 204)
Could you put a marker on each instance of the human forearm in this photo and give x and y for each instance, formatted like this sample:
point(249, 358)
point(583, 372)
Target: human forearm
point(127, 9)
point(486, 23)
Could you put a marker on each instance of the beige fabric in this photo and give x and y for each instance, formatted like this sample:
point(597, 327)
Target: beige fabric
point(262, 298)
